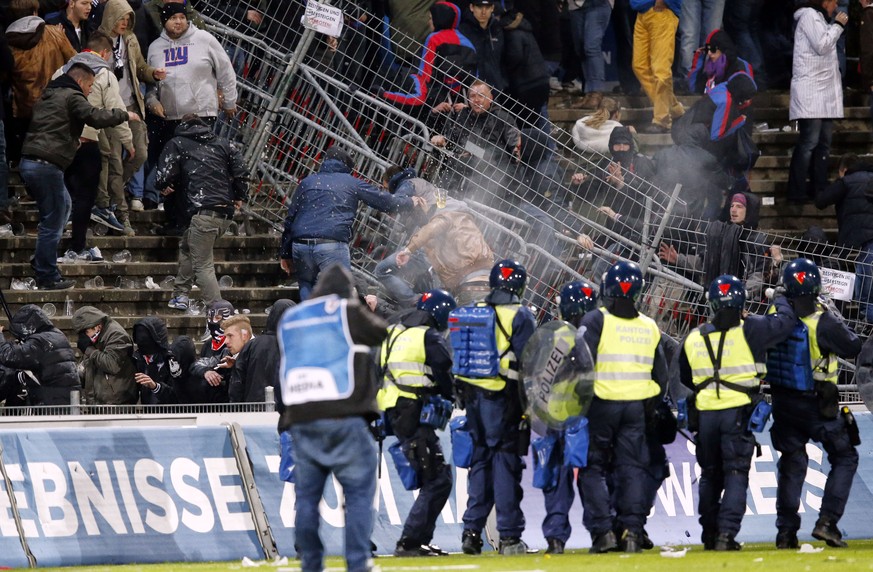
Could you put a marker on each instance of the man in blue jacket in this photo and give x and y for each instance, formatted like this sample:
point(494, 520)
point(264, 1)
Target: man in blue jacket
point(319, 222)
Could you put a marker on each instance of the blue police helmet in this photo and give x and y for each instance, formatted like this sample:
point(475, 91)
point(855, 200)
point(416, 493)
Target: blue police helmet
point(438, 303)
point(623, 280)
point(509, 275)
point(727, 291)
point(801, 276)
point(577, 298)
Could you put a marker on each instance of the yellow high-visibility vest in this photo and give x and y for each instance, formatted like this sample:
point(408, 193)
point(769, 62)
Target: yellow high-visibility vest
point(625, 357)
point(738, 367)
point(402, 357)
point(824, 366)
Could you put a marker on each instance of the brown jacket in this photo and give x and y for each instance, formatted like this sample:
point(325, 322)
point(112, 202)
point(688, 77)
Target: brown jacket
point(454, 246)
point(38, 50)
point(137, 67)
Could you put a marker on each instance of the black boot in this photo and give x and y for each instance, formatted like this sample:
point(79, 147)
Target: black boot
point(786, 539)
point(631, 542)
point(826, 529)
point(603, 543)
point(512, 546)
point(708, 537)
point(556, 546)
point(646, 542)
point(408, 547)
point(471, 542)
point(725, 542)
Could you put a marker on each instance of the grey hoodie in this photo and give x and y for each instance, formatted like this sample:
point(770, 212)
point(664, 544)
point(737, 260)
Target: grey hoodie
point(197, 67)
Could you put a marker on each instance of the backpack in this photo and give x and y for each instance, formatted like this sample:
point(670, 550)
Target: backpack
point(789, 363)
point(472, 332)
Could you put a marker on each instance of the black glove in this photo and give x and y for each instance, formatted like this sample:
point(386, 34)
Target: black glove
point(83, 342)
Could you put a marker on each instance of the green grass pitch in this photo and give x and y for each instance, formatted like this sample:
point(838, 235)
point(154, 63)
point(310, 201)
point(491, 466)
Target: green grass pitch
point(755, 557)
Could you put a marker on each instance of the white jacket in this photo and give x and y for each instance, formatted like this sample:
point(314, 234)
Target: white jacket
point(588, 139)
point(816, 85)
point(197, 67)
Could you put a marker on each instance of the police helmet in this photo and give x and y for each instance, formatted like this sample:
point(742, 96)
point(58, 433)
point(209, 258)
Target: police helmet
point(801, 277)
point(438, 303)
point(623, 280)
point(577, 298)
point(726, 291)
point(509, 275)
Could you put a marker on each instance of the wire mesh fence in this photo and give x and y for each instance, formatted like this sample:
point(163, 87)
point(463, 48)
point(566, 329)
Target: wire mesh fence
point(393, 99)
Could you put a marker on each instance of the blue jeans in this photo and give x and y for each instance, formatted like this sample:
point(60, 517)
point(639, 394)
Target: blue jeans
point(587, 26)
point(136, 183)
point(864, 281)
point(742, 22)
point(310, 259)
point(45, 183)
point(4, 170)
point(813, 145)
point(345, 448)
point(399, 282)
point(698, 19)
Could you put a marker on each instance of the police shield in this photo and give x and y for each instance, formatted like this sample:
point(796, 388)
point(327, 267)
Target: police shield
point(558, 378)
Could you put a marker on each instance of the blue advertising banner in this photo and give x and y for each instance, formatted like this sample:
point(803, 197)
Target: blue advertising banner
point(11, 552)
point(673, 520)
point(119, 495)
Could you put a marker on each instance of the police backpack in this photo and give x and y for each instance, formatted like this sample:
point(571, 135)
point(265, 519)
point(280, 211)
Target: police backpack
point(789, 364)
point(474, 343)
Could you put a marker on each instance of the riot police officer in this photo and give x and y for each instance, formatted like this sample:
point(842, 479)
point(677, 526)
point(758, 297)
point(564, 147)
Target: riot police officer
point(723, 362)
point(630, 370)
point(802, 372)
point(416, 365)
point(488, 338)
point(577, 298)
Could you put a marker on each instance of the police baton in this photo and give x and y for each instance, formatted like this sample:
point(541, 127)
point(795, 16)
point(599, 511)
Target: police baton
point(8, 313)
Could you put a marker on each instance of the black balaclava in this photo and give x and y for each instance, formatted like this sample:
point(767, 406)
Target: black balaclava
point(622, 135)
point(144, 341)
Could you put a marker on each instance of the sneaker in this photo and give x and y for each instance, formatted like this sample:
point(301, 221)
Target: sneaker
point(408, 549)
point(471, 542)
point(136, 205)
point(128, 229)
point(436, 550)
point(555, 85)
point(179, 302)
point(92, 254)
point(62, 284)
point(574, 87)
point(826, 529)
point(512, 547)
point(105, 217)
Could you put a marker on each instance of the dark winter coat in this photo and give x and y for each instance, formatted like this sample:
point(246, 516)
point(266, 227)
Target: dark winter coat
point(45, 351)
point(166, 365)
point(209, 169)
point(325, 203)
point(489, 43)
point(854, 205)
point(448, 60)
point(59, 117)
point(523, 63)
point(257, 365)
point(195, 389)
point(866, 43)
point(107, 362)
point(366, 329)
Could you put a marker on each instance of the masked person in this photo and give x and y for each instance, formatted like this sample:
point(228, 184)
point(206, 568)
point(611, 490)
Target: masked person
point(416, 366)
point(160, 366)
point(500, 432)
point(722, 361)
point(41, 352)
point(207, 382)
point(630, 375)
point(802, 372)
point(106, 348)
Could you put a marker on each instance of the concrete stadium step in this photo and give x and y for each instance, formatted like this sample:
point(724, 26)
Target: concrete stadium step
point(150, 248)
